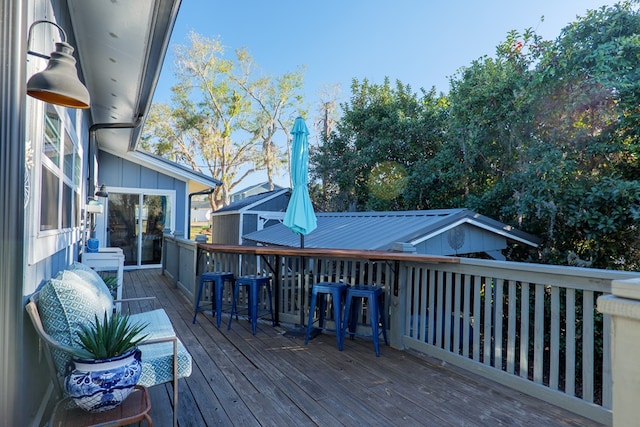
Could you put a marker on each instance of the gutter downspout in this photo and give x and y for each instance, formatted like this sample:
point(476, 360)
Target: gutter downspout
point(93, 149)
point(197, 193)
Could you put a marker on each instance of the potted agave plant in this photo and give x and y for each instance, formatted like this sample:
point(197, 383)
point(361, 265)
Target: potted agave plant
point(107, 365)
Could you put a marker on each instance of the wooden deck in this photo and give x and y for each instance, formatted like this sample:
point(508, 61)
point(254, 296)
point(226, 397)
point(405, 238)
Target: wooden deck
point(273, 380)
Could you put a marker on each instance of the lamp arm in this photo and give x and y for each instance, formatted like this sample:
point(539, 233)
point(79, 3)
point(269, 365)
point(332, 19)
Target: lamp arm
point(43, 21)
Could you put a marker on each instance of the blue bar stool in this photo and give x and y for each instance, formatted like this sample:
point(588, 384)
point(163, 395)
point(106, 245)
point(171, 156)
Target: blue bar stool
point(375, 305)
point(217, 279)
point(319, 292)
point(254, 283)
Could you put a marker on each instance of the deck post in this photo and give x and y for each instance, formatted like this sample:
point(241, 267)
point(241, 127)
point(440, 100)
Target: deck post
point(623, 307)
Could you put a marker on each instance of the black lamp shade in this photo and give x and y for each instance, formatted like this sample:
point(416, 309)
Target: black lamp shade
point(102, 192)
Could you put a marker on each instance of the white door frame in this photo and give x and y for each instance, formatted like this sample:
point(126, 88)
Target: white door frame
point(102, 222)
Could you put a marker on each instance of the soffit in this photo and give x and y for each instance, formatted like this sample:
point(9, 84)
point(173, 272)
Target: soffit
point(121, 45)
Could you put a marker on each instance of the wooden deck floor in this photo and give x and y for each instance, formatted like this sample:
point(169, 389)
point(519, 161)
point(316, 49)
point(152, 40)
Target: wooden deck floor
point(273, 380)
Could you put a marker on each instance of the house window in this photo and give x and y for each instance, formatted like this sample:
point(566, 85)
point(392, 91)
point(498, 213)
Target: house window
point(60, 176)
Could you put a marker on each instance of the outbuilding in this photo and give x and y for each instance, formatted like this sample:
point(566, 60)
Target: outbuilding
point(436, 232)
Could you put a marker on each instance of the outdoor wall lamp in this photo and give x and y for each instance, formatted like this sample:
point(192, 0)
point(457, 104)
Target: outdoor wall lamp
point(102, 192)
point(58, 83)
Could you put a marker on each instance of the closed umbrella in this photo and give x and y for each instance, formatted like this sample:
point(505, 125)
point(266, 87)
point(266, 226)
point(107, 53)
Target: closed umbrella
point(300, 217)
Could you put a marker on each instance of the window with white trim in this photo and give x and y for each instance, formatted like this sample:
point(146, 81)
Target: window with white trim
point(60, 176)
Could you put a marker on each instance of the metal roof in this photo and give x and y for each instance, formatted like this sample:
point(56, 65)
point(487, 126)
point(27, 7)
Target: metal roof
point(264, 186)
point(380, 230)
point(250, 202)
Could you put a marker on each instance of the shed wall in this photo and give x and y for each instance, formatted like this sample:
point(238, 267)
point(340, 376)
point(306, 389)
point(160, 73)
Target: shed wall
point(463, 239)
point(224, 229)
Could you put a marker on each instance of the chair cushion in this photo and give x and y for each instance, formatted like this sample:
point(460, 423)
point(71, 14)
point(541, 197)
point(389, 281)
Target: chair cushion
point(158, 323)
point(66, 304)
point(157, 363)
point(157, 359)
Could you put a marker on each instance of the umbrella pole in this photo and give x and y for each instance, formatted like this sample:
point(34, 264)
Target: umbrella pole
point(302, 283)
point(301, 332)
point(302, 289)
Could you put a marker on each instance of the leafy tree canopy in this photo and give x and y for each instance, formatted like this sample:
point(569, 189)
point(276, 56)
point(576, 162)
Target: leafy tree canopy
point(542, 136)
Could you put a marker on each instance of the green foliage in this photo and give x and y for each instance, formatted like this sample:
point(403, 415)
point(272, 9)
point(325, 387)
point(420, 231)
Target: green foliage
point(225, 118)
point(544, 136)
point(111, 337)
point(384, 132)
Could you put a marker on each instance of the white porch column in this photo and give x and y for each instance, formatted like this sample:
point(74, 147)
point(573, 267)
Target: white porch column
point(14, 378)
point(624, 308)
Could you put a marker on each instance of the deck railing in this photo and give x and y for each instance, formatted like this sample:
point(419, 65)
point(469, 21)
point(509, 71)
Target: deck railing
point(531, 327)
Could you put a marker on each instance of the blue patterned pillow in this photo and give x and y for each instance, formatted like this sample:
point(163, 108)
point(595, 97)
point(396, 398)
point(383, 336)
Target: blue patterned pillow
point(63, 306)
point(90, 277)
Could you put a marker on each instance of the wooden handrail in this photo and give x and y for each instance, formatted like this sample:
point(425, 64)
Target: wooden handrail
point(333, 253)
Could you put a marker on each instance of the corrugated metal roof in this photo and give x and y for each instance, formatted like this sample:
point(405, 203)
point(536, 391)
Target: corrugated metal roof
point(380, 230)
point(250, 201)
point(263, 186)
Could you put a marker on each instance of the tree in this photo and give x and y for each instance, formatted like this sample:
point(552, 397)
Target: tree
point(321, 188)
point(223, 117)
point(557, 153)
point(544, 136)
point(365, 163)
point(587, 94)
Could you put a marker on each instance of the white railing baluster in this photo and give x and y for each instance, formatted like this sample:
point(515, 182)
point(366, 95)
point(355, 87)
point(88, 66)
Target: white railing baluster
point(497, 322)
point(466, 317)
point(607, 398)
point(431, 333)
point(587, 346)
point(438, 329)
point(511, 327)
point(456, 313)
point(422, 278)
point(524, 329)
point(486, 329)
point(477, 318)
point(570, 337)
point(446, 316)
point(538, 335)
point(554, 344)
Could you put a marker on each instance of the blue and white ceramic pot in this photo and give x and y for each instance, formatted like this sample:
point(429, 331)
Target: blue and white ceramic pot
point(101, 385)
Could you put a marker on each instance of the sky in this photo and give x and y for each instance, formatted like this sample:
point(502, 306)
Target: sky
point(419, 42)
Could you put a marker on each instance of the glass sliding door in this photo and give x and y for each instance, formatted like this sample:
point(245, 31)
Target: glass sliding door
point(154, 212)
point(122, 229)
point(136, 222)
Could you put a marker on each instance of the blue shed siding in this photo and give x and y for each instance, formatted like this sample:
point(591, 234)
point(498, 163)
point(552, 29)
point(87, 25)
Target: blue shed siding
point(461, 240)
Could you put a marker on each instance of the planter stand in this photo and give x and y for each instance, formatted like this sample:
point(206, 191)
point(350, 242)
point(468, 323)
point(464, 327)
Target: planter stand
point(133, 410)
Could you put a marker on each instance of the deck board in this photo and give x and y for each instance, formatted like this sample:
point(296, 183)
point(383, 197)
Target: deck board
point(274, 380)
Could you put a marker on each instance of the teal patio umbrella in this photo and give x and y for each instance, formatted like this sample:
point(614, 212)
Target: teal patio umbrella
point(300, 217)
